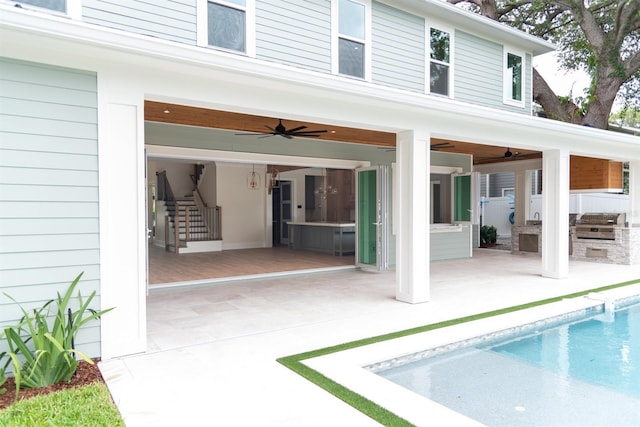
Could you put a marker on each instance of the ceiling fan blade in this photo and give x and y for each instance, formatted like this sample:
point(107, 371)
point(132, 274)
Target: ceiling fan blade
point(294, 130)
point(267, 135)
point(307, 132)
point(249, 134)
point(271, 129)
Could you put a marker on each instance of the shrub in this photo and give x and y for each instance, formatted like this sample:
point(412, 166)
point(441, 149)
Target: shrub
point(488, 234)
point(42, 355)
point(3, 377)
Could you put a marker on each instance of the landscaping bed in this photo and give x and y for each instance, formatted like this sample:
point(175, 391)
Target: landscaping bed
point(85, 374)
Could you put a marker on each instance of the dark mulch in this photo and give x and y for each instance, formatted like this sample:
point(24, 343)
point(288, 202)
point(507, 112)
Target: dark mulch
point(84, 375)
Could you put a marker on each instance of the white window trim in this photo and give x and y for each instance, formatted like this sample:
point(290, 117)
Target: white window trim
point(506, 82)
point(74, 8)
point(335, 35)
point(427, 55)
point(508, 191)
point(202, 26)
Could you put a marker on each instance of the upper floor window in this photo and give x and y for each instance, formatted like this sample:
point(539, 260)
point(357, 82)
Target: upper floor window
point(57, 5)
point(227, 24)
point(353, 23)
point(439, 61)
point(71, 8)
point(513, 78)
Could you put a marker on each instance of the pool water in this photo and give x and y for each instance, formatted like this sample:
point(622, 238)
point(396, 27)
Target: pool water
point(584, 373)
point(604, 353)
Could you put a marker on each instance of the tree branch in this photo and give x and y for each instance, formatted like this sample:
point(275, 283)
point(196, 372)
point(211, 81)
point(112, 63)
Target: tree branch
point(586, 21)
point(557, 109)
point(627, 20)
point(512, 6)
point(632, 64)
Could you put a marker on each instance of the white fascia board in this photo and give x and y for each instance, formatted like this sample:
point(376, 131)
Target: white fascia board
point(466, 20)
point(509, 166)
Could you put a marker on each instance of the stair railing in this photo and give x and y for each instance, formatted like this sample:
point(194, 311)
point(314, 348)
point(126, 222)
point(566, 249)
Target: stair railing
point(165, 192)
point(211, 217)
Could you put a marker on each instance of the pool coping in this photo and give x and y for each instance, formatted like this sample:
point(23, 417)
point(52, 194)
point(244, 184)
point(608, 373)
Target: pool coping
point(341, 369)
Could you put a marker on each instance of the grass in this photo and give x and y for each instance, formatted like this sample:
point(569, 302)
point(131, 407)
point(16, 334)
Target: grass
point(89, 406)
point(373, 410)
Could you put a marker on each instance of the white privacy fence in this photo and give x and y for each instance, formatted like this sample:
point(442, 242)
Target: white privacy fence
point(496, 210)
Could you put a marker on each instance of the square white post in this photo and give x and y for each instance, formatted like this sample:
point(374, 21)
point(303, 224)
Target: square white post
point(123, 237)
point(634, 193)
point(412, 190)
point(555, 211)
point(521, 198)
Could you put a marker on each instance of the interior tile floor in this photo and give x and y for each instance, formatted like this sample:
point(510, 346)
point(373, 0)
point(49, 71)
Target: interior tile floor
point(169, 267)
point(212, 350)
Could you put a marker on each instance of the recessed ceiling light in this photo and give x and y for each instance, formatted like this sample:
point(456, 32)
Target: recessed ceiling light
point(166, 111)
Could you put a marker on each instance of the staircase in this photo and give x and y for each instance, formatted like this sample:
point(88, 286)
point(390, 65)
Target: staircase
point(190, 225)
point(179, 212)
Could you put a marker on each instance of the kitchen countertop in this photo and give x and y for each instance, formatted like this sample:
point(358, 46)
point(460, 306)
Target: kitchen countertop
point(325, 224)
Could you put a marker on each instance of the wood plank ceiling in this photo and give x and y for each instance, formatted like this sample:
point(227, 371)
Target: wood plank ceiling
point(193, 116)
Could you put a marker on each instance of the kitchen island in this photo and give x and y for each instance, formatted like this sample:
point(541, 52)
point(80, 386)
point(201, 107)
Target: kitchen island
point(331, 238)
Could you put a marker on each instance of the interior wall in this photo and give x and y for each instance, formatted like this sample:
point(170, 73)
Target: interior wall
point(298, 178)
point(208, 184)
point(179, 176)
point(243, 215)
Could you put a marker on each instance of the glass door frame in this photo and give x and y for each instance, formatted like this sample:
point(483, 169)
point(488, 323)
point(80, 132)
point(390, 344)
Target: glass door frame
point(284, 222)
point(380, 218)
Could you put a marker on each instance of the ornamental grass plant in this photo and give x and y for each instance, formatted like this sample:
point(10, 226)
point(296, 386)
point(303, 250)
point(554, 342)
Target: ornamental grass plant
point(42, 353)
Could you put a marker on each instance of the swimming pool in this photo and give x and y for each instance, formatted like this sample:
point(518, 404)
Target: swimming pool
point(584, 372)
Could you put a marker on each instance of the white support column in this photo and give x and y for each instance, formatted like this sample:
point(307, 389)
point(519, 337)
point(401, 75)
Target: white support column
point(555, 211)
point(634, 193)
point(527, 195)
point(123, 238)
point(521, 199)
point(412, 190)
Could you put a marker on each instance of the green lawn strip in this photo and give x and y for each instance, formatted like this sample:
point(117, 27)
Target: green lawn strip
point(373, 410)
point(89, 406)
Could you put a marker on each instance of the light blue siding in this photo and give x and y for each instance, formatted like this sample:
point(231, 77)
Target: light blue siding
point(295, 33)
point(49, 225)
point(441, 158)
point(478, 73)
point(173, 20)
point(398, 48)
point(450, 245)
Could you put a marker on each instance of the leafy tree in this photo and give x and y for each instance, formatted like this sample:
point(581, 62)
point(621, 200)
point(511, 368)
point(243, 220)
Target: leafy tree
point(628, 116)
point(601, 37)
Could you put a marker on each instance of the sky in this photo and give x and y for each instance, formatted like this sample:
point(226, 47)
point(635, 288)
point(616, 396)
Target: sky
point(560, 80)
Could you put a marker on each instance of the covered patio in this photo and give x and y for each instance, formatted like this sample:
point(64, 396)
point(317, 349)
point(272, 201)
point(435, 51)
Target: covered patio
point(212, 350)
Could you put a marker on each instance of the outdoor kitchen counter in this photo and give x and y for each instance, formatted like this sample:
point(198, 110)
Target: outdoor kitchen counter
point(450, 241)
point(331, 238)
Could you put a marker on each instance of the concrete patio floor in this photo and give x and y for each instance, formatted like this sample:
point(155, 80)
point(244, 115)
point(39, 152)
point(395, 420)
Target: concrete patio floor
point(212, 350)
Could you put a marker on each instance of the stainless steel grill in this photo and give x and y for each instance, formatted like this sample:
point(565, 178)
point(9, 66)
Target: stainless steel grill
point(600, 226)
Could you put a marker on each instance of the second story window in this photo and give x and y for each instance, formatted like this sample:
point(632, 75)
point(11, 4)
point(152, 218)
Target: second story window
point(57, 5)
point(69, 8)
point(513, 78)
point(227, 24)
point(352, 20)
point(439, 61)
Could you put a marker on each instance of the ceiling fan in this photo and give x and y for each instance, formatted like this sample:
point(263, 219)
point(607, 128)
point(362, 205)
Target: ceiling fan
point(510, 155)
point(280, 130)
